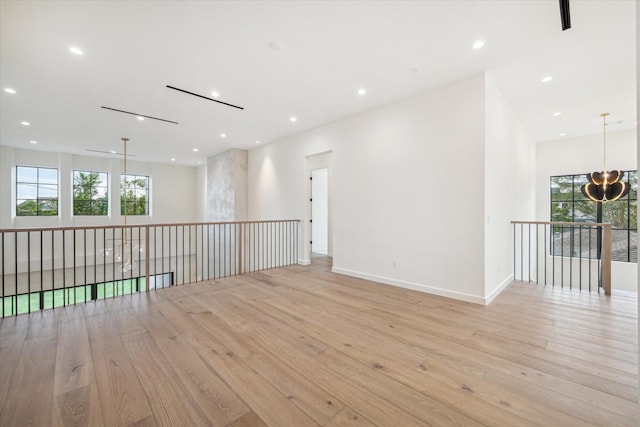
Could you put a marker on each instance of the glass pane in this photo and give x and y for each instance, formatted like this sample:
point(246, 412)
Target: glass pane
point(616, 213)
point(619, 245)
point(81, 207)
point(584, 211)
point(633, 215)
point(632, 178)
point(26, 208)
point(48, 207)
point(47, 191)
point(562, 187)
point(48, 176)
point(561, 211)
point(26, 191)
point(578, 182)
point(26, 174)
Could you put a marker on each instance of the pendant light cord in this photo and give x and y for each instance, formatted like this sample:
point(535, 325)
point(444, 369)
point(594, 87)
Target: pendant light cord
point(604, 142)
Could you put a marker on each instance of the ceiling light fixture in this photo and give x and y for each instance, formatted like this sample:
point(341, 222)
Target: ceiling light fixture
point(195, 150)
point(547, 79)
point(215, 94)
point(140, 118)
point(257, 142)
point(293, 119)
point(33, 142)
point(25, 123)
point(172, 159)
point(556, 114)
point(76, 50)
point(478, 44)
point(563, 134)
point(604, 186)
point(223, 135)
point(362, 92)
point(9, 90)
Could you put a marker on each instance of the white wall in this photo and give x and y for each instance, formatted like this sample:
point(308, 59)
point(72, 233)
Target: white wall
point(408, 189)
point(582, 155)
point(172, 188)
point(508, 185)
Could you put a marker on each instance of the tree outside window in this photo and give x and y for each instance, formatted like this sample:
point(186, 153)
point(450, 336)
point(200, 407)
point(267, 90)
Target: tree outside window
point(134, 195)
point(36, 191)
point(90, 193)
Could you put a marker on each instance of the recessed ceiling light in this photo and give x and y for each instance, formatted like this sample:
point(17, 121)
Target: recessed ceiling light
point(215, 94)
point(76, 50)
point(556, 114)
point(113, 151)
point(257, 142)
point(547, 79)
point(478, 44)
point(563, 134)
point(9, 90)
point(33, 142)
point(172, 159)
point(25, 123)
point(293, 119)
point(140, 118)
point(362, 91)
point(195, 150)
point(223, 135)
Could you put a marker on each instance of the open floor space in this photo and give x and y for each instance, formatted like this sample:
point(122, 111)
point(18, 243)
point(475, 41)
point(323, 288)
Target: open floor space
point(301, 346)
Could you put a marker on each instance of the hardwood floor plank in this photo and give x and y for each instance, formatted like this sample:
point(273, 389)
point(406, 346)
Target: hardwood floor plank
point(248, 420)
point(122, 397)
point(74, 364)
point(13, 331)
point(219, 403)
point(78, 407)
point(348, 418)
point(30, 395)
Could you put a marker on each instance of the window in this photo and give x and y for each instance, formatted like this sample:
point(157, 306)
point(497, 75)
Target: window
point(134, 195)
point(568, 204)
point(90, 193)
point(36, 191)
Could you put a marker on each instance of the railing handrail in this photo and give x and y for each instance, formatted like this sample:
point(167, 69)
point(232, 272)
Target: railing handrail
point(604, 256)
point(119, 226)
point(576, 224)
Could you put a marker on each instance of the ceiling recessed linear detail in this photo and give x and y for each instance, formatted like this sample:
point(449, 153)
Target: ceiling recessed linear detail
point(139, 115)
point(204, 97)
point(109, 152)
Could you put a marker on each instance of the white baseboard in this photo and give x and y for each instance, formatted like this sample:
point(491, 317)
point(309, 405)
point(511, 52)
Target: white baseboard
point(304, 261)
point(499, 289)
point(414, 286)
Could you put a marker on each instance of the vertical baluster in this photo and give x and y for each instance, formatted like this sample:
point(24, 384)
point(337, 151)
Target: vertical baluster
point(590, 262)
point(41, 275)
point(571, 243)
point(74, 266)
point(521, 252)
point(562, 257)
point(28, 272)
point(537, 253)
point(553, 255)
point(580, 259)
point(545, 252)
point(4, 273)
point(15, 295)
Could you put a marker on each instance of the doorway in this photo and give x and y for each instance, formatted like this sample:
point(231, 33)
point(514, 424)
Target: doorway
point(320, 211)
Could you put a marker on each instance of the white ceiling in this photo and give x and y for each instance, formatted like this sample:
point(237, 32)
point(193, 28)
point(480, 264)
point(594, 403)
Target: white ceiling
point(328, 50)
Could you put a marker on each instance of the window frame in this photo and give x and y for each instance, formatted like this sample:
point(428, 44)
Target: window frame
point(92, 200)
point(39, 186)
point(630, 199)
point(147, 193)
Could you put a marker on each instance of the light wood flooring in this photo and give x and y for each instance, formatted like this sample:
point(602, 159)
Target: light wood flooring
point(300, 346)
